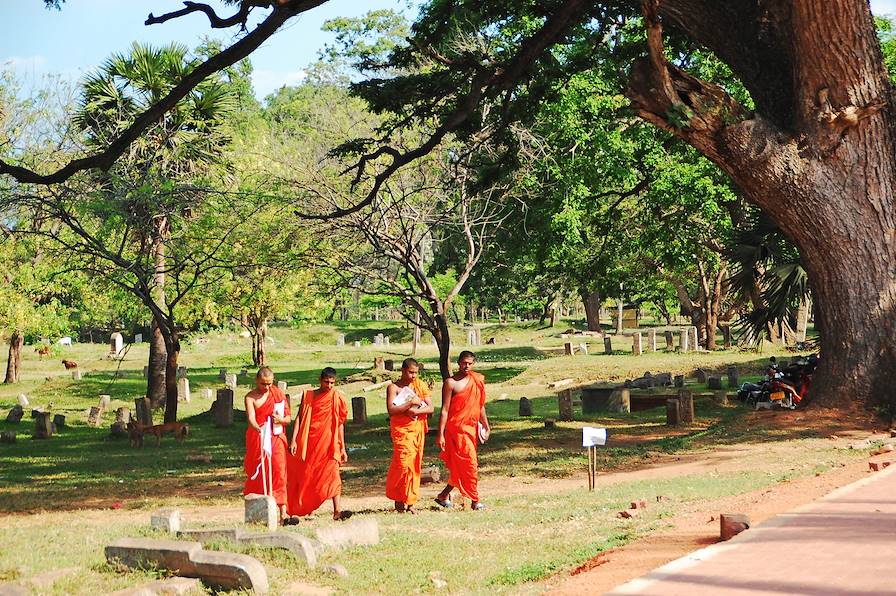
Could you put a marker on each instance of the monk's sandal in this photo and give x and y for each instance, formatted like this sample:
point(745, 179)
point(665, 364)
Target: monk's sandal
point(443, 504)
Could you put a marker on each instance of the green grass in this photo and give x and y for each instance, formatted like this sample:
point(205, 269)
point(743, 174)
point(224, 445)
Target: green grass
point(88, 488)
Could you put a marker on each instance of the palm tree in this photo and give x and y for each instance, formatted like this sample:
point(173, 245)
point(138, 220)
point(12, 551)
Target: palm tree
point(183, 145)
point(767, 272)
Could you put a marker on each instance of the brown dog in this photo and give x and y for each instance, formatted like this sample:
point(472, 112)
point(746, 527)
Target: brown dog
point(69, 364)
point(42, 351)
point(136, 431)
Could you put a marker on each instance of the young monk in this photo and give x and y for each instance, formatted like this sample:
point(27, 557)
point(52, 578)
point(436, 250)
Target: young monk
point(267, 410)
point(408, 426)
point(463, 411)
point(318, 444)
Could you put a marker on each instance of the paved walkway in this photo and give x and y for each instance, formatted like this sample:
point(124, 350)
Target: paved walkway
point(843, 543)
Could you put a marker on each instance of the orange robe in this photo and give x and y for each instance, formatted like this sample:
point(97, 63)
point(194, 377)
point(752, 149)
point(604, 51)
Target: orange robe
point(408, 435)
point(462, 437)
point(314, 471)
point(279, 451)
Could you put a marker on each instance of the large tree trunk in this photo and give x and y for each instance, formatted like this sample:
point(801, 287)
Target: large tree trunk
point(591, 300)
point(158, 356)
point(14, 361)
point(817, 156)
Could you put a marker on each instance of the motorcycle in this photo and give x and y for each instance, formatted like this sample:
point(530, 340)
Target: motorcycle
point(786, 389)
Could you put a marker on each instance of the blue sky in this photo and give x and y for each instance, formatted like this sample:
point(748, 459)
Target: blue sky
point(76, 40)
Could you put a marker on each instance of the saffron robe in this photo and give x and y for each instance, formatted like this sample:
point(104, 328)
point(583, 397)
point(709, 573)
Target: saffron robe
point(314, 471)
point(408, 435)
point(462, 435)
point(279, 451)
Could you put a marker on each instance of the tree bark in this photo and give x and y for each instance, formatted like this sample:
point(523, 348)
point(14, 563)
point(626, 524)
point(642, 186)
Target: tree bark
point(173, 349)
point(591, 300)
point(14, 361)
point(158, 356)
point(817, 156)
point(158, 353)
point(443, 341)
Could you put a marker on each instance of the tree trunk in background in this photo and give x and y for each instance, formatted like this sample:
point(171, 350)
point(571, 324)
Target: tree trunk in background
point(14, 361)
point(173, 349)
point(591, 300)
point(802, 320)
point(158, 357)
point(619, 307)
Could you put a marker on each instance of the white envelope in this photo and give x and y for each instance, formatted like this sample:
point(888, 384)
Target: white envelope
point(591, 436)
point(279, 410)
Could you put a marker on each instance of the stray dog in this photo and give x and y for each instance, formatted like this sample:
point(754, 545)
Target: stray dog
point(69, 364)
point(136, 431)
point(42, 351)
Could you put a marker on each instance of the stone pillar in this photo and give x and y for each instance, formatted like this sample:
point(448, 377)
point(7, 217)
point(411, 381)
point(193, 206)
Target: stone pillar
point(683, 339)
point(282, 386)
point(700, 374)
point(120, 426)
point(143, 411)
point(378, 363)
point(583, 348)
point(138, 338)
point(525, 406)
point(673, 413)
point(678, 381)
point(181, 372)
point(695, 344)
point(569, 350)
point(58, 421)
point(116, 344)
point(357, 344)
point(340, 339)
point(105, 402)
point(23, 400)
point(620, 400)
point(651, 339)
point(223, 407)
point(43, 426)
point(714, 383)
point(230, 382)
point(564, 404)
point(222, 374)
point(378, 339)
point(359, 410)
point(637, 350)
point(471, 338)
point(608, 345)
point(720, 397)
point(261, 509)
point(389, 364)
point(726, 336)
point(76, 374)
point(733, 377)
point(686, 406)
point(183, 389)
point(670, 341)
point(386, 340)
point(207, 393)
point(15, 414)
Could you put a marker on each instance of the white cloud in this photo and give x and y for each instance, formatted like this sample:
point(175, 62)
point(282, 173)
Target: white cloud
point(266, 81)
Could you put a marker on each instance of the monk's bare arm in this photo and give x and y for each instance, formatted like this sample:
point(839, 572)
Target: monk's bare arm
point(250, 412)
point(344, 455)
point(447, 391)
point(425, 407)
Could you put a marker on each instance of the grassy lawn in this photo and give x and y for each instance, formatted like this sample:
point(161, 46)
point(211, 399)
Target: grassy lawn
point(85, 488)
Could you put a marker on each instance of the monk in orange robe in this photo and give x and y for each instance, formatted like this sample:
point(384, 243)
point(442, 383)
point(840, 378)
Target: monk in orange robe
point(267, 411)
point(318, 444)
point(408, 402)
point(462, 424)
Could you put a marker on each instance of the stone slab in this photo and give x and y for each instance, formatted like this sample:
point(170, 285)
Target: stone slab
point(300, 546)
point(228, 571)
point(166, 520)
point(261, 509)
point(362, 532)
point(172, 586)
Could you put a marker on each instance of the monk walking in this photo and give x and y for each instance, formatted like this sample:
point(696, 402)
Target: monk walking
point(267, 411)
point(318, 444)
point(408, 402)
point(462, 424)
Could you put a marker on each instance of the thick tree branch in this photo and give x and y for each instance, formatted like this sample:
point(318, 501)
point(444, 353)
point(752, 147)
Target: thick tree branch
point(233, 54)
point(216, 22)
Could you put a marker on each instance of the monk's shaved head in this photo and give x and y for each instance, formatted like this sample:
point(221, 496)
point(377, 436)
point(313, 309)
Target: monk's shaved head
point(264, 373)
